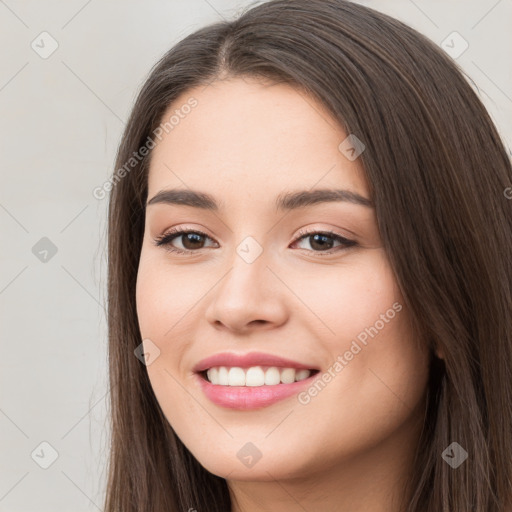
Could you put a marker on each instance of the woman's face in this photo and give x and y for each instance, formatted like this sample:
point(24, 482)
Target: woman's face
point(260, 280)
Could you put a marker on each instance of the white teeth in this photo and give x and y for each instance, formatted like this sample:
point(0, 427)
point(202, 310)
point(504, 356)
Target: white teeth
point(213, 375)
point(255, 376)
point(236, 377)
point(223, 376)
point(272, 376)
point(302, 374)
point(288, 375)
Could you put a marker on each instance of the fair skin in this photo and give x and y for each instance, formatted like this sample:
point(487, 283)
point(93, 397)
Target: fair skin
point(351, 446)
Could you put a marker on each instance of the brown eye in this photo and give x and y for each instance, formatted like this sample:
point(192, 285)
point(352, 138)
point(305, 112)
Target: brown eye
point(323, 242)
point(190, 240)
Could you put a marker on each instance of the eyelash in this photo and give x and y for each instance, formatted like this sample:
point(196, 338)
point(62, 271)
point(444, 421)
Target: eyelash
point(166, 239)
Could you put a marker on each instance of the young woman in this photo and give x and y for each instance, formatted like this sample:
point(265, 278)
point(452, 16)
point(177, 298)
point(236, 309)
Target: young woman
point(310, 275)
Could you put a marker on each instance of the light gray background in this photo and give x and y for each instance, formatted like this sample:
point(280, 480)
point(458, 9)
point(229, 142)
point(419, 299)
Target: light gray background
point(61, 121)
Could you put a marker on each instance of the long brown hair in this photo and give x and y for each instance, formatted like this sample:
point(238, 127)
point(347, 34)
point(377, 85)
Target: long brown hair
point(437, 171)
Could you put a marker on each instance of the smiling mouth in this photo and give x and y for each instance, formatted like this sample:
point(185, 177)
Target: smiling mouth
point(255, 376)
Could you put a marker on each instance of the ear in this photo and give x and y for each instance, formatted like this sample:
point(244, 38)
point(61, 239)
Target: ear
point(439, 353)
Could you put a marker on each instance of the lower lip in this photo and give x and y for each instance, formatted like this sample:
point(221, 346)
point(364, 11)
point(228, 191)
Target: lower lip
point(250, 397)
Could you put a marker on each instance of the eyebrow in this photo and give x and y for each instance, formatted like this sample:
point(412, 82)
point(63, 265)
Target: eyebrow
point(284, 201)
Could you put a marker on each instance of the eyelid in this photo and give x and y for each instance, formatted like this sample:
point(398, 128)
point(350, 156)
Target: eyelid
point(313, 231)
point(176, 232)
point(346, 243)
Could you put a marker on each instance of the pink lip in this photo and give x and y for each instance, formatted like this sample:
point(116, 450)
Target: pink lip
point(248, 397)
point(245, 398)
point(248, 360)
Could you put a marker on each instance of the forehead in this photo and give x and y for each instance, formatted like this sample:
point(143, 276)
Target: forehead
point(246, 138)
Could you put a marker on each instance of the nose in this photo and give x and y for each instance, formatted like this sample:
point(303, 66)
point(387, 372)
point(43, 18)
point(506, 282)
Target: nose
point(247, 297)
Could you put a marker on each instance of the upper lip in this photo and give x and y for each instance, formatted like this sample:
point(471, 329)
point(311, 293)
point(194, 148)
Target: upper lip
point(247, 360)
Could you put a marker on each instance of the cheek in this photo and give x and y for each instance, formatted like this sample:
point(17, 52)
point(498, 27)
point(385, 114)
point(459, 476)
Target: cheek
point(165, 296)
point(375, 365)
point(354, 301)
point(162, 306)
point(163, 300)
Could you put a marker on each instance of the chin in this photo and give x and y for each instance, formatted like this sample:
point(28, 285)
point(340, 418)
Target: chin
point(242, 460)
